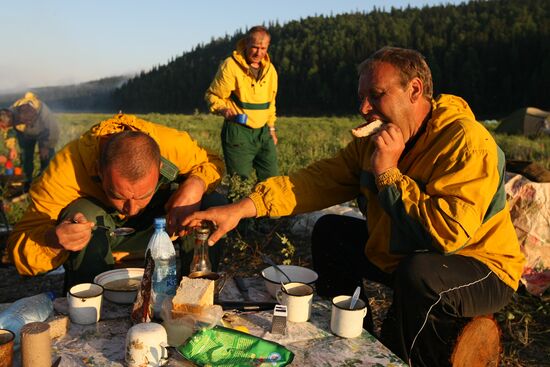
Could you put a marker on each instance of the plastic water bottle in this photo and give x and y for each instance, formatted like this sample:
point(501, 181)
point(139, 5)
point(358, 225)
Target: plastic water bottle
point(164, 281)
point(25, 310)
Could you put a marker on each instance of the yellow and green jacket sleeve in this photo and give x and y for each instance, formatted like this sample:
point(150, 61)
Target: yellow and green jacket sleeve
point(235, 87)
point(447, 194)
point(72, 173)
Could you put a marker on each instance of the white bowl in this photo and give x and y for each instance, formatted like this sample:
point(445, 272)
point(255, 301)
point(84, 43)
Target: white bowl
point(273, 278)
point(120, 285)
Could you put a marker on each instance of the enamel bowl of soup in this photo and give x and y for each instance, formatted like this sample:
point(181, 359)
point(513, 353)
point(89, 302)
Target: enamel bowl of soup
point(273, 278)
point(120, 285)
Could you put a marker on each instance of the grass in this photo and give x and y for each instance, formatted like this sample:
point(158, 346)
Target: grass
point(524, 322)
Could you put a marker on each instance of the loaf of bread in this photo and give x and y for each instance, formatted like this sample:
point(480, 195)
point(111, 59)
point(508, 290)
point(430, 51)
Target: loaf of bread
point(367, 128)
point(192, 296)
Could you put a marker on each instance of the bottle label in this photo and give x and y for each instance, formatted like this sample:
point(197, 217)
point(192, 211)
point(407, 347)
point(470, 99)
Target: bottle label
point(164, 279)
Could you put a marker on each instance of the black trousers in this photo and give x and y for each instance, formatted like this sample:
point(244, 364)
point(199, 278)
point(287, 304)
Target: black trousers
point(434, 295)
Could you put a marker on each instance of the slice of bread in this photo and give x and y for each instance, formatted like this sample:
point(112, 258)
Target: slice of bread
point(206, 313)
point(192, 296)
point(367, 129)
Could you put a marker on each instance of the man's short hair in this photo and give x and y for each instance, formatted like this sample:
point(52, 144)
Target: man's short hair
point(410, 63)
point(255, 30)
point(133, 154)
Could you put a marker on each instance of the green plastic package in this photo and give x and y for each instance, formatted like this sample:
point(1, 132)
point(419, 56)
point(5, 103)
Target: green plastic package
point(224, 347)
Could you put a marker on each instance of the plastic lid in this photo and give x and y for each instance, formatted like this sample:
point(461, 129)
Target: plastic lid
point(160, 222)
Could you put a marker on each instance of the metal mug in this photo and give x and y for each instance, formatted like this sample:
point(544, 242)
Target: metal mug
point(6, 347)
point(297, 297)
point(85, 303)
point(344, 321)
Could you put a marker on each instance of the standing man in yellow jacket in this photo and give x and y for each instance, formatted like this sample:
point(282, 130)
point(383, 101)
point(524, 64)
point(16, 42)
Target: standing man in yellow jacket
point(123, 172)
point(244, 92)
point(438, 229)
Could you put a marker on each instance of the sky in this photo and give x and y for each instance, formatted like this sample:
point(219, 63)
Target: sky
point(58, 42)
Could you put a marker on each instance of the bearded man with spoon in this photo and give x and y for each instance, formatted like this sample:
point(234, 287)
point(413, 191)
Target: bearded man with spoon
point(123, 172)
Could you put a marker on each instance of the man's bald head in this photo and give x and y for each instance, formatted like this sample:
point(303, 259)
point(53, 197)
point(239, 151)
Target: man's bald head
point(133, 154)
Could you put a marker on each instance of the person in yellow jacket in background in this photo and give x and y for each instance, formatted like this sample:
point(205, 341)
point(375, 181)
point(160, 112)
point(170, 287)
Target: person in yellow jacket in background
point(243, 92)
point(438, 228)
point(34, 124)
point(123, 172)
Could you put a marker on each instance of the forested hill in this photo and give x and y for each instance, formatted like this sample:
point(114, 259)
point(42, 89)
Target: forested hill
point(495, 54)
point(92, 96)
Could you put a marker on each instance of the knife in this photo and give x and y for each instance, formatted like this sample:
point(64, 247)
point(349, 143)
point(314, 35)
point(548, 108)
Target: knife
point(247, 306)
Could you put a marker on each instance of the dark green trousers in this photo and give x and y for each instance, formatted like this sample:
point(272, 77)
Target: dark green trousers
point(97, 257)
point(27, 145)
point(245, 149)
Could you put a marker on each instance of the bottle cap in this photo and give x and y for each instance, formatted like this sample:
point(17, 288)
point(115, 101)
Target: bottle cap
point(202, 230)
point(160, 222)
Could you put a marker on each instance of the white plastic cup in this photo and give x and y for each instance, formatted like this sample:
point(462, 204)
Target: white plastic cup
point(297, 297)
point(146, 345)
point(344, 321)
point(85, 303)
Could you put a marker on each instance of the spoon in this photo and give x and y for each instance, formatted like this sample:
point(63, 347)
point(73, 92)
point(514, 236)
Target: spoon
point(267, 260)
point(121, 231)
point(354, 298)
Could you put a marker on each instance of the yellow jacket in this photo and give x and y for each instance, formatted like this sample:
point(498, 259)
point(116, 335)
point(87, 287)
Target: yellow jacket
point(235, 87)
point(449, 199)
point(73, 173)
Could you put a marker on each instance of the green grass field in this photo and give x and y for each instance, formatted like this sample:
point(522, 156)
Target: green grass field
point(302, 140)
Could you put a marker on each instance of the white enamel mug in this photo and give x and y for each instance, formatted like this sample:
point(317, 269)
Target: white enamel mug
point(345, 322)
point(146, 345)
point(85, 303)
point(297, 297)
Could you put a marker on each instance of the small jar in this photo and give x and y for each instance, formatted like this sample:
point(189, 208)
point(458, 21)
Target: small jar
point(201, 261)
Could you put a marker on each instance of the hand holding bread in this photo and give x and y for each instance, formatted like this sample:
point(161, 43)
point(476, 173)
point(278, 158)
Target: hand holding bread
point(367, 129)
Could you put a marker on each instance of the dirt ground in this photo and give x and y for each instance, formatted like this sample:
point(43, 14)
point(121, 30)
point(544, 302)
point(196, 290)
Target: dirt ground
point(525, 322)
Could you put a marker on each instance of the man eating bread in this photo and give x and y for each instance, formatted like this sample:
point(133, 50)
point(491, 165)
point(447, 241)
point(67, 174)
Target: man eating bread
point(437, 228)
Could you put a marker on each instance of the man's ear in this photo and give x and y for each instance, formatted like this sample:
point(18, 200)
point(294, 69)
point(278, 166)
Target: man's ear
point(417, 89)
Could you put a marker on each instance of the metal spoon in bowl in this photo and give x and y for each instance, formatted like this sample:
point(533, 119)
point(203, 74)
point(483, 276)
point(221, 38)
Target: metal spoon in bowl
point(268, 261)
point(283, 286)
